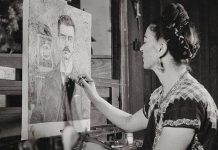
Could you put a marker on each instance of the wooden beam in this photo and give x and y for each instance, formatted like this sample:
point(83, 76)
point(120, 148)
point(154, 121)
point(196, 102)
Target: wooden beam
point(101, 82)
point(101, 68)
point(114, 91)
point(124, 56)
point(116, 43)
point(101, 57)
point(11, 60)
point(10, 114)
point(10, 87)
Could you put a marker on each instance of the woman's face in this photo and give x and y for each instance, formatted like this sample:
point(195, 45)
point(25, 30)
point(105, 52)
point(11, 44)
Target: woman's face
point(149, 48)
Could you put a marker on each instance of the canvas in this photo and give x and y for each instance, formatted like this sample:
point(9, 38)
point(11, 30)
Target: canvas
point(57, 48)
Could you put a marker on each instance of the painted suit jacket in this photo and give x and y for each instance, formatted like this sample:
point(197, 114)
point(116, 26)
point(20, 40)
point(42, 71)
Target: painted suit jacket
point(51, 107)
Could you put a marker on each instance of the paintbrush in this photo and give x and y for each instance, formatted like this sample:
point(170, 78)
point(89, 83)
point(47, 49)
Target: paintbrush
point(104, 82)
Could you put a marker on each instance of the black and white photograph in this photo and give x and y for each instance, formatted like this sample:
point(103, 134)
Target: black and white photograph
point(108, 74)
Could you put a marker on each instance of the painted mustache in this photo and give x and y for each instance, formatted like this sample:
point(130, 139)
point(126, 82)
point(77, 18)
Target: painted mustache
point(66, 49)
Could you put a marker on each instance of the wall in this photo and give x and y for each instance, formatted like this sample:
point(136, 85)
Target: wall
point(101, 24)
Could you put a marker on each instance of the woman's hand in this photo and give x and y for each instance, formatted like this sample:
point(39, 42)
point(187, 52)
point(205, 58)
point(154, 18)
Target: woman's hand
point(89, 86)
point(69, 137)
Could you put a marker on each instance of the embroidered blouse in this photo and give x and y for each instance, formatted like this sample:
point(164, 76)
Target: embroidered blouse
point(187, 105)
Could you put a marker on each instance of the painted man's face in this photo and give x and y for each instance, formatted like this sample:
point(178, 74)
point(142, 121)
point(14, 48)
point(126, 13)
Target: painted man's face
point(45, 48)
point(66, 40)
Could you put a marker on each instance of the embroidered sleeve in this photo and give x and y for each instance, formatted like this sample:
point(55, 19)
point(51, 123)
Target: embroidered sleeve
point(148, 107)
point(186, 113)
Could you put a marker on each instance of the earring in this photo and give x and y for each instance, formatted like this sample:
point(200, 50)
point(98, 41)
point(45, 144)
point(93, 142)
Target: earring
point(160, 65)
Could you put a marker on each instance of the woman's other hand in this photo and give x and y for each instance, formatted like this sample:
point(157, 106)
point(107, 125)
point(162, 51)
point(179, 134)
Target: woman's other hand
point(69, 137)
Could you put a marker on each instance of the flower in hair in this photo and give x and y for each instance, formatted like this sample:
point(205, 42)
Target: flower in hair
point(187, 49)
point(171, 26)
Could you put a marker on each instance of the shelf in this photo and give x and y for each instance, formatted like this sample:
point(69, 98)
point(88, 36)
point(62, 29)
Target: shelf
point(101, 57)
point(11, 60)
point(10, 87)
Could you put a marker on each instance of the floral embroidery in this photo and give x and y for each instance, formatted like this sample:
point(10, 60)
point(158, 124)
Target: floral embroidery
point(178, 122)
point(155, 97)
point(190, 88)
point(196, 144)
point(159, 97)
point(158, 131)
point(186, 88)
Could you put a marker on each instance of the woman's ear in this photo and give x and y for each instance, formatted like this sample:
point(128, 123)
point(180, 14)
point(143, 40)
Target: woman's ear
point(162, 49)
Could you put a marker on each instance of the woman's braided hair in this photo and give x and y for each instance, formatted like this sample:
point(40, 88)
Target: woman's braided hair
point(181, 36)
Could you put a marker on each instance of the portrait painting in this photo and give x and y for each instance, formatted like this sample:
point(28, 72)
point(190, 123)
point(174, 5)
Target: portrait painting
point(57, 49)
point(45, 62)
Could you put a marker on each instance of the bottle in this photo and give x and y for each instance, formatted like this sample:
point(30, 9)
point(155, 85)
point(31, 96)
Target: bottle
point(129, 137)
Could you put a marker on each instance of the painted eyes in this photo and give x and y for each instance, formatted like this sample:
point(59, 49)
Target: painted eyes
point(66, 38)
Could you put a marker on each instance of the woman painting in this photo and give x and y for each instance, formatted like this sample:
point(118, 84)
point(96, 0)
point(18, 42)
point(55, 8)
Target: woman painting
point(181, 114)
